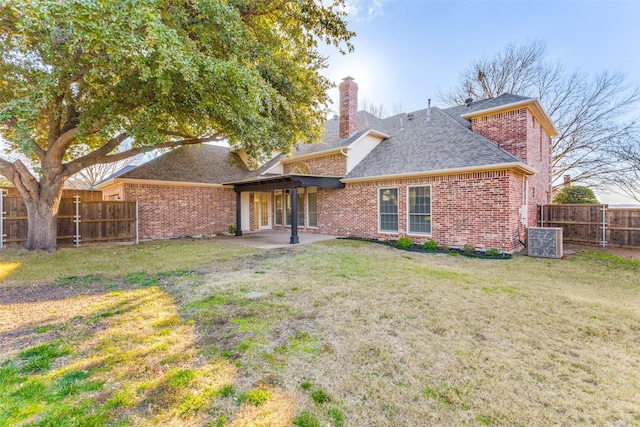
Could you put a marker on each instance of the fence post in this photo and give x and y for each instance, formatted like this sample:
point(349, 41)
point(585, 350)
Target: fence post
point(137, 222)
point(541, 215)
point(604, 236)
point(2, 191)
point(76, 220)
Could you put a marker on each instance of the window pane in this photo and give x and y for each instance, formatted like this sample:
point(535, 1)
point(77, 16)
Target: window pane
point(420, 210)
point(388, 209)
point(312, 200)
point(300, 207)
point(279, 208)
point(287, 205)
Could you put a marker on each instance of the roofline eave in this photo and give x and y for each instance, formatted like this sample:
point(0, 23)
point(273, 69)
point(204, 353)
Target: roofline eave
point(533, 104)
point(515, 166)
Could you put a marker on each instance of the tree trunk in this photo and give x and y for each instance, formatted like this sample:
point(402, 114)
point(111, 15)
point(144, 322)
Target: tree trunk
point(42, 210)
point(43, 226)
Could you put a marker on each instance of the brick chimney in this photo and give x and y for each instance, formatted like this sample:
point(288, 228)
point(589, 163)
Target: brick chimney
point(348, 107)
point(567, 181)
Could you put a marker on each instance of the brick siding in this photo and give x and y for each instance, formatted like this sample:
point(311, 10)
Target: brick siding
point(521, 134)
point(175, 211)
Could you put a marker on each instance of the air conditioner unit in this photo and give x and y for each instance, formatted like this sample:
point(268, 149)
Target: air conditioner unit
point(544, 242)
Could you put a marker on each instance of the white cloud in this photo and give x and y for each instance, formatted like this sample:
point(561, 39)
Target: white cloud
point(363, 10)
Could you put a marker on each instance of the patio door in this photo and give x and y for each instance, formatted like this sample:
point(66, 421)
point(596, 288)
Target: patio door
point(262, 210)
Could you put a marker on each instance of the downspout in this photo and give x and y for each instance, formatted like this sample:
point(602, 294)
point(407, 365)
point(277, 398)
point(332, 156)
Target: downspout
point(524, 210)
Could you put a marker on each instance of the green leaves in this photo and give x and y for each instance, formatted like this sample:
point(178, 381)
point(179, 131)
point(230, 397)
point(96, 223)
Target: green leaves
point(243, 69)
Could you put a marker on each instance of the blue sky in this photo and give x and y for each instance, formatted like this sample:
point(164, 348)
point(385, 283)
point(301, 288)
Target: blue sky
point(406, 51)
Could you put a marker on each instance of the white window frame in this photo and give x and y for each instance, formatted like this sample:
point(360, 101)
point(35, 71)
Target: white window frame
point(378, 192)
point(415, 233)
point(306, 206)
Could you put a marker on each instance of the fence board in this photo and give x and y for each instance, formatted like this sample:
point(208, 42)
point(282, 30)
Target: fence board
point(99, 220)
point(583, 223)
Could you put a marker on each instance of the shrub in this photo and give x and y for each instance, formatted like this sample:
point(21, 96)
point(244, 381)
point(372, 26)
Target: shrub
point(232, 229)
point(431, 245)
point(468, 249)
point(575, 194)
point(404, 243)
point(492, 252)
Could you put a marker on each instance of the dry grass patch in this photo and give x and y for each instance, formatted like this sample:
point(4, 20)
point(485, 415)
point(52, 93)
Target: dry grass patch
point(19, 267)
point(333, 334)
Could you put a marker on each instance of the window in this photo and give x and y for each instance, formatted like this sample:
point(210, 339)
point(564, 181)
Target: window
point(388, 202)
point(278, 194)
point(300, 207)
point(287, 207)
point(288, 210)
point(420, 210)
point(312, 207)
point(300, 169)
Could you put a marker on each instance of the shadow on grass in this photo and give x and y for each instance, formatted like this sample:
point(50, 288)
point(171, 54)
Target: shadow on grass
point(113, 357)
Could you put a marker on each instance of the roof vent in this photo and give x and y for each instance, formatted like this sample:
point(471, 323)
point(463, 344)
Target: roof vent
point(468, 101)
point(410, 116)
point(429, 110)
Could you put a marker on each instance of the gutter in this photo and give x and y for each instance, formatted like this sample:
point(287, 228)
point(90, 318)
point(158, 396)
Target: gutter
point(515, 166)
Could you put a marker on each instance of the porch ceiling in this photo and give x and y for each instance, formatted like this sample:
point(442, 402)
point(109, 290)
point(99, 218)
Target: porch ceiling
point(286, 181)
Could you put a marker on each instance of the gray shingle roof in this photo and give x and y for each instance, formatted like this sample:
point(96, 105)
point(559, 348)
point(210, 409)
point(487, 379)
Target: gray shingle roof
point(209, 164)
point(423, 146)
point(416, 145)
point(483, 104)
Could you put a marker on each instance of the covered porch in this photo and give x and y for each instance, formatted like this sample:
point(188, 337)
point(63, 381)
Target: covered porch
point(288, 183)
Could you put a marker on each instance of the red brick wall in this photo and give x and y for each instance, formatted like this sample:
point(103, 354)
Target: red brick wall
point(348, 107)
point(521, 134)
point(481, 209)
point(508, 130)
point(331, 165)
point(175, 211)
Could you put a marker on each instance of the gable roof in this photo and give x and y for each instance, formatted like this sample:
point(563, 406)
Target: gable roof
point(459, 111)
point(411, 145)
point(116, 174)
point(207, 164)
point(436, 145)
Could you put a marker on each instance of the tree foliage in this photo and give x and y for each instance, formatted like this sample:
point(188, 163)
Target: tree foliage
point(591, 113)
point(575, 195)
point(80, 78)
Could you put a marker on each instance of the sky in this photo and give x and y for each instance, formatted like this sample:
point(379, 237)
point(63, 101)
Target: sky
point(407, 51)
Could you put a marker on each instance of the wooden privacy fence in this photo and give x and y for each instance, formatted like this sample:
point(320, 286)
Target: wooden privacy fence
point(78, 221)
point(598, 224)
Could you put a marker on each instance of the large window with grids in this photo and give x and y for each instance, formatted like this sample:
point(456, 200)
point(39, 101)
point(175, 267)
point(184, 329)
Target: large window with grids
point(419, 200)
point(388, 209)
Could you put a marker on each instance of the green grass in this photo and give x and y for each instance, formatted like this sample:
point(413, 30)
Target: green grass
point(99, 263)
point(255, 397)
point(330, 335)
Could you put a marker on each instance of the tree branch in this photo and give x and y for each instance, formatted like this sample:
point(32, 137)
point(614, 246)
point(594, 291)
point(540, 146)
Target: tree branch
point(101, 155)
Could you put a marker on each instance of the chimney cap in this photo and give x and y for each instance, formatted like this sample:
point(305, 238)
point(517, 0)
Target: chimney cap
point(468, 101)
point(348, 78)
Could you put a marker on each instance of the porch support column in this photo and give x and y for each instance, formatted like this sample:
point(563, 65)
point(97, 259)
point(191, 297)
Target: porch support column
point(238, 214)
point(294, 216)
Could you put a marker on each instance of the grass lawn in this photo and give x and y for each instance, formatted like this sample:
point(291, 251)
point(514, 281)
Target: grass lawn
point(338, 333)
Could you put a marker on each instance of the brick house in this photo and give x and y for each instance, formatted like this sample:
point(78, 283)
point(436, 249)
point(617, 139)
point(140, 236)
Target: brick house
point(471, 174)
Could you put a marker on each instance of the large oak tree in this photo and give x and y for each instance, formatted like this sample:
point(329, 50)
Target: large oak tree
point(79, 78)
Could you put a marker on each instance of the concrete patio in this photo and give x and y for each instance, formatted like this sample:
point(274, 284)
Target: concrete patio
point(272, 239)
